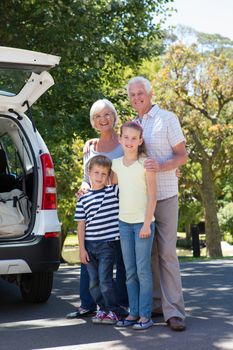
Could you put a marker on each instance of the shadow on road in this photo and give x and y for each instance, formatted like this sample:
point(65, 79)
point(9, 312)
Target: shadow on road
point(209, 304)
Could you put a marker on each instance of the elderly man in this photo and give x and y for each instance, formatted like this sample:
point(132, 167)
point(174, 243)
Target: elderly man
point(165, 144)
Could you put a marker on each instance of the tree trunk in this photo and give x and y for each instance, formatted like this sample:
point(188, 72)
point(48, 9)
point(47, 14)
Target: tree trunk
point(213, 235)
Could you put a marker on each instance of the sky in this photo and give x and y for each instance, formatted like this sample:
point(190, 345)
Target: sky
point(208, 16)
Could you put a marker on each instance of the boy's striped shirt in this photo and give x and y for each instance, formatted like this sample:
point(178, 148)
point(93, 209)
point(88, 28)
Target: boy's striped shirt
point(100, 210)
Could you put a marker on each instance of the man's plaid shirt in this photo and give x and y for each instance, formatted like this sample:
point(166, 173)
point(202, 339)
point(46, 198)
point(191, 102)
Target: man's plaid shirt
point(161, 132)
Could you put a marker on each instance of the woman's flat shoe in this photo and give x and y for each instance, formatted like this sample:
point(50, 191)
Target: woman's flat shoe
point(126, 323)
point(143, 325)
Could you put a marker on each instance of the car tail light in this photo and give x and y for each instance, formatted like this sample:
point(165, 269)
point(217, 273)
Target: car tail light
point(51, 234)
point(49, 193)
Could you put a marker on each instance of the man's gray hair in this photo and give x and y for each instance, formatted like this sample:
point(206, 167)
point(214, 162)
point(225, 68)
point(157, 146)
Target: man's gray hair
point(98, 106)
point(140, 80)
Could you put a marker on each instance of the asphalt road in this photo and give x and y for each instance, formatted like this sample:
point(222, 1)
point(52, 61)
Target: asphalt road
point(208, 292)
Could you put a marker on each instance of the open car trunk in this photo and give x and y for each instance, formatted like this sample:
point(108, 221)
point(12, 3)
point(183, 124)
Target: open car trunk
point(18, 180)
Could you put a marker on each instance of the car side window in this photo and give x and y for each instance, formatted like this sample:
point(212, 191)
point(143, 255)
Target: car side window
point(14, 165)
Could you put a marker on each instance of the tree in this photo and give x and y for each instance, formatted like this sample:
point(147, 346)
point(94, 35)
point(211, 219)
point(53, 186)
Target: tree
point(96, 41)
point(199, 89)
point(206, 43)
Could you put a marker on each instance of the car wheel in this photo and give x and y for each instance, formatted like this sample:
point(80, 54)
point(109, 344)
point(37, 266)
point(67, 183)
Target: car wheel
point(36, 287)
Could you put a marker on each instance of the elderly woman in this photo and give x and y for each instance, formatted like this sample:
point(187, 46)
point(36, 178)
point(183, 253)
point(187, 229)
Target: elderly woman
point(103, 117)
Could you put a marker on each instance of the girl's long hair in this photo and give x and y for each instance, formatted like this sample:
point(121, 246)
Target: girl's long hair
point(142, 148)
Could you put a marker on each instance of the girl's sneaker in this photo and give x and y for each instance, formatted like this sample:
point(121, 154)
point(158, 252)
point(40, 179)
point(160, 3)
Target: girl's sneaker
point(99, 317)
point(110, 318)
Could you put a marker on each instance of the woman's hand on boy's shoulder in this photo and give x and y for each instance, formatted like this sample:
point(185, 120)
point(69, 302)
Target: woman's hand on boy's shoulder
point(82, 190)
point(88, 144)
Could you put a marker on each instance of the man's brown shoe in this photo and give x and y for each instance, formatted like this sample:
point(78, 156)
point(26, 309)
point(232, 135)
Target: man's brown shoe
point(176, 324)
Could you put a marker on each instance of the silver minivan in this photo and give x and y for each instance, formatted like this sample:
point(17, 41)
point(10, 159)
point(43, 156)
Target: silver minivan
point(29, 226)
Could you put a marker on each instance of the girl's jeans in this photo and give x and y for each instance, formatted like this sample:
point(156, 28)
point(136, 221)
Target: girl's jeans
point(137, 258)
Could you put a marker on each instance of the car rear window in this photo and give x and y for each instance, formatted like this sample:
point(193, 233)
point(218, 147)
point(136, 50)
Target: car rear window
point(12, 81)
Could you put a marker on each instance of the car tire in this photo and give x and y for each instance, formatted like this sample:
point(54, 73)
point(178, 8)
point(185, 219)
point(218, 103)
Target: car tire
point(36, 287)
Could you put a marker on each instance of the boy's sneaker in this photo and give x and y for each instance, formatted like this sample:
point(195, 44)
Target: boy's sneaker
point(99, 317)
point(110, 318)
point(81, 312)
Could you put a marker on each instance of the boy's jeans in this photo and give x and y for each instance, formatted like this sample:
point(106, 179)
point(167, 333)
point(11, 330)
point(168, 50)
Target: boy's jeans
point(137, 258)
point(100, 270)
point(87, 301)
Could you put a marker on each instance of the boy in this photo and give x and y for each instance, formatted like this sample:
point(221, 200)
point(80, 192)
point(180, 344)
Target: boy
point(98, 232)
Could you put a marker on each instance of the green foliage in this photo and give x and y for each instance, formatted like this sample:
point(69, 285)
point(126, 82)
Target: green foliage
point(199, 90)
point(190, 206)
point(69, 169)
point(150, 67)
point(225, 217)
point(184, 243)
point(228, 238)
point(96, 41)
point(190, 211)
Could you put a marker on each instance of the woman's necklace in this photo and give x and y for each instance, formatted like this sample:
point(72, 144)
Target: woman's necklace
point(107, 145)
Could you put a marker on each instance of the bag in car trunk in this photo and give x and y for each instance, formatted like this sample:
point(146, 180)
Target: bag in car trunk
point(14, 213)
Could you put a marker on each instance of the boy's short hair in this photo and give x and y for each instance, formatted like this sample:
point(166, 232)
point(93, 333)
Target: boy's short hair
point(101, 161)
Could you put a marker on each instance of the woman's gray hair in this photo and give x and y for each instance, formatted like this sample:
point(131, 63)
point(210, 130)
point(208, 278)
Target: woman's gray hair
point(139, 80)
point(98, 106)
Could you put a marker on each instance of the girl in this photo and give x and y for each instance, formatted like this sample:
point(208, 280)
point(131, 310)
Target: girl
point(137, 201)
